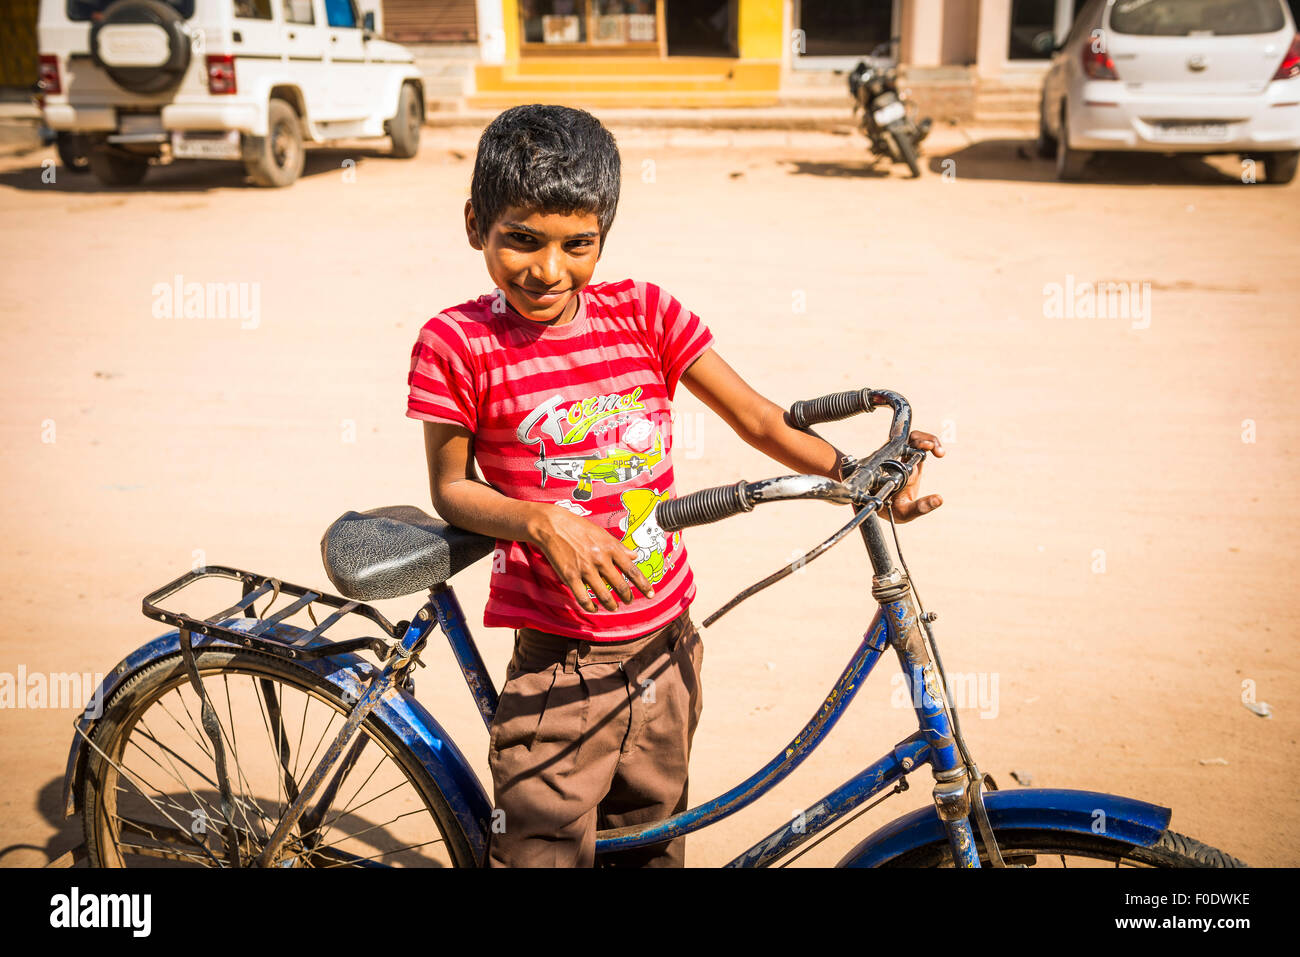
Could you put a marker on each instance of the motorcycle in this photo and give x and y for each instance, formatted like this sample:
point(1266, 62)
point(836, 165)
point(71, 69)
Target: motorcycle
point(888, 119)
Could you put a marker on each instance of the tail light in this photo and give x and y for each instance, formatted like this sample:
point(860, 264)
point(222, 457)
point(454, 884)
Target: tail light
point(221, 73)
point(1097, 65)
point(48, 74)
point(1291, 62)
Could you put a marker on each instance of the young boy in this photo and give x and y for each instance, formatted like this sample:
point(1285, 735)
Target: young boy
point(562, 392)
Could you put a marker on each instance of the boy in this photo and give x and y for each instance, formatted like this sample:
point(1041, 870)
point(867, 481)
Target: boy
point(562, 392)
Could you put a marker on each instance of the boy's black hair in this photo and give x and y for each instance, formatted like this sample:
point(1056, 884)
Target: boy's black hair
point(554, 159)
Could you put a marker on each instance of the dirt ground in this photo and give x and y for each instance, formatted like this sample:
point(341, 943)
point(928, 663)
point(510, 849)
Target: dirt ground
point(1110, 568)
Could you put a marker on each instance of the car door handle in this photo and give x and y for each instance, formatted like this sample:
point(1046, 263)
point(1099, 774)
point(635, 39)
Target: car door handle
point(334, 38)
point(292, 35)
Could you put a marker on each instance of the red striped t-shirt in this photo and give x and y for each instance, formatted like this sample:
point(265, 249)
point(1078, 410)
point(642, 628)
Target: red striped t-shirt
point(579, 415)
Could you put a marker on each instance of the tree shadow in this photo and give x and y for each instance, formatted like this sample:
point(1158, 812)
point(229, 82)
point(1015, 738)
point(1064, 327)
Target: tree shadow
point(186, 176)
point(1017, 160)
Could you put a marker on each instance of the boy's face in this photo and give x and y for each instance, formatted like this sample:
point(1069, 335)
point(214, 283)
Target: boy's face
point(539, 260)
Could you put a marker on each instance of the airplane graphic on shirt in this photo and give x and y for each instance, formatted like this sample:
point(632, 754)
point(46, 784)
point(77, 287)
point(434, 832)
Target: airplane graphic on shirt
point(612, 468)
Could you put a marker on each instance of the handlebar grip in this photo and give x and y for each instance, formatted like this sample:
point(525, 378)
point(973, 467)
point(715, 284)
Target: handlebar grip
point(829, 408)
point(705, 506)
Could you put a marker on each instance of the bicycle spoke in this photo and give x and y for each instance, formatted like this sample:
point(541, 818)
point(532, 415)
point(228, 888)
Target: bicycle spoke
point(353, 860)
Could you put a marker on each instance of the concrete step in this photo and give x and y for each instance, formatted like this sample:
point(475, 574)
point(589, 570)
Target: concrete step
point(1015, 118)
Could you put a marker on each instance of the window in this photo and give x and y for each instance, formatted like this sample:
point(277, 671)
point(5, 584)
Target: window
point(341, 13)
point(299, 11)
point(592, 23)
point(253, 9)
point(1180, 18)
point(82, 9)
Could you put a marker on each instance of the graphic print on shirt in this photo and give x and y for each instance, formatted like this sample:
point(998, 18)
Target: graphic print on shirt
point(641, 532)
point(596, 416)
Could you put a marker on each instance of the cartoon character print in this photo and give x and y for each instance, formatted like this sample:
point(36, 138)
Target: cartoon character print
point(641, 530)
point(638, 448)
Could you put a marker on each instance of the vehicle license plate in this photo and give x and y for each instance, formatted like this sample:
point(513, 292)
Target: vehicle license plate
point(1211, 132)
point(889, 114)
point(206, 145)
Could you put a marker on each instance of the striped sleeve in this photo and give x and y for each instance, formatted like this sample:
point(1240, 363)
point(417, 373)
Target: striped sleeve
point(442, 380)
point(679, 336)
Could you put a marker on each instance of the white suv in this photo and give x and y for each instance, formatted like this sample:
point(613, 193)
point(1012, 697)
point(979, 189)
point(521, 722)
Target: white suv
point(124, 81)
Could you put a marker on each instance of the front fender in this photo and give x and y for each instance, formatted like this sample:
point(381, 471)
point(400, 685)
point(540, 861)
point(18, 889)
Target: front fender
point(1125, 819)
point(397, 710)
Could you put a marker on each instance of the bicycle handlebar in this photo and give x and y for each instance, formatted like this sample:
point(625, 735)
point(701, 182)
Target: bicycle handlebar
point(863, 487)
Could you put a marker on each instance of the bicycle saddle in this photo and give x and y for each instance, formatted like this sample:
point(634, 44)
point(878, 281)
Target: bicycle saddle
point(396, 550)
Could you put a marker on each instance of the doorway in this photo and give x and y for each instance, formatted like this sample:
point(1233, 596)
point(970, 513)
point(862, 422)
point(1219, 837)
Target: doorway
point(701, 27)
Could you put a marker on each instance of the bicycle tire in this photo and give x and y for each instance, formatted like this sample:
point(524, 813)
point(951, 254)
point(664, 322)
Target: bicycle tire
point(1017, 846)
point(126, 708)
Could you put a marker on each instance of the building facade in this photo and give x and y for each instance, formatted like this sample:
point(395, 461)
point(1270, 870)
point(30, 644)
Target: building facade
point(715, 53)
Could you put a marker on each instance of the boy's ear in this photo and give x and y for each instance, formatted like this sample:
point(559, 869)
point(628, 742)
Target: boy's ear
point(471, 226)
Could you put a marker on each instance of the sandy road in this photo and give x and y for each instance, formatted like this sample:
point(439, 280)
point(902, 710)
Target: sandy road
point(1112, 567)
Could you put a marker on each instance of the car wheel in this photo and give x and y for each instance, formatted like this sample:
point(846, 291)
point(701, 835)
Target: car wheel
point(1280, 168)
point(74, 151)
point(277, 159)
point(114, 167)
point(404, 128)
point(1046, 144)
point(1069, 162)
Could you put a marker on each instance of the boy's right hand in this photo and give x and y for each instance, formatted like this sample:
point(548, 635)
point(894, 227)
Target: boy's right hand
point(585, 555)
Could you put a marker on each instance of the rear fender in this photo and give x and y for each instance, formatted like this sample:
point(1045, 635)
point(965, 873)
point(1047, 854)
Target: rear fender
point(397, 710)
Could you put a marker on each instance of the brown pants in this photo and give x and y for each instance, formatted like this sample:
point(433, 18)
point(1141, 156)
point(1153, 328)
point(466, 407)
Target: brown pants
point(593, 735)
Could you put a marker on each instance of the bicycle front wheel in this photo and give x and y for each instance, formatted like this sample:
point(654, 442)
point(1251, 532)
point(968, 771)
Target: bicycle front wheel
point(151, 792)
point(1040, 848)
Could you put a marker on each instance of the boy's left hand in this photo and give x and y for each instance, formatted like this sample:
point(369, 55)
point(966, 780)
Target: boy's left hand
point(908, 502)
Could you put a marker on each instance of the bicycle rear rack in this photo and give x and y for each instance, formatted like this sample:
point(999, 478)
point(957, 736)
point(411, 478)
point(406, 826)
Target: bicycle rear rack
point(266, 634)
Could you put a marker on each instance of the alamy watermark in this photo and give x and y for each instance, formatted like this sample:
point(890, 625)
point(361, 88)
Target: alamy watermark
point(179, 299)
point(1098, 300)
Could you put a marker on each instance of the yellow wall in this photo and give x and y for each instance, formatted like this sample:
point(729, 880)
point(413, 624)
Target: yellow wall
point(510, 25)
point(760, 29)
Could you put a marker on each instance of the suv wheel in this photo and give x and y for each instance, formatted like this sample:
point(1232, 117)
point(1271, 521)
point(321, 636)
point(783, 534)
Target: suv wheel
point(114, 167)
point(1069, 163)
point(74, 151)
point(1280, 167)
point(277, 158)
point(404, 128)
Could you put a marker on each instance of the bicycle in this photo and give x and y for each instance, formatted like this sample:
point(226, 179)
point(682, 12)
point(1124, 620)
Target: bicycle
point(428, 807)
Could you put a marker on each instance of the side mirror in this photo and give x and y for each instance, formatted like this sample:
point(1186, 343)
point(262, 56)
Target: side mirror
point(368, 22)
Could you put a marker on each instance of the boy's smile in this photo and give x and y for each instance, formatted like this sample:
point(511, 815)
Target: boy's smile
point(539, 260)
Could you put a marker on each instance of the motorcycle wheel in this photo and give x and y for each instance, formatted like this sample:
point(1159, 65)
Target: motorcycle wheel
point(906, 148)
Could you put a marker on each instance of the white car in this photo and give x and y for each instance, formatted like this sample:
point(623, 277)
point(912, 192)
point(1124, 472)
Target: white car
point(1176, 76)
point(124, 82)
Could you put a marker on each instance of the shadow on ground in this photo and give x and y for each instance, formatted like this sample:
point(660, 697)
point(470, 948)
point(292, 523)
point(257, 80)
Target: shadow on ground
point(1017, 160)
point(182, 177)
point(68, 836)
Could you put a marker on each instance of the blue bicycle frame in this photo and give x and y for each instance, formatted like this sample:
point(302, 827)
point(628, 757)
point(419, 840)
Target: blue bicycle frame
point(380, 691)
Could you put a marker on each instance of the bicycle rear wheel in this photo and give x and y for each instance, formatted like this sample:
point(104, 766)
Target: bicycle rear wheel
point(1040, 848)
point(151, 795)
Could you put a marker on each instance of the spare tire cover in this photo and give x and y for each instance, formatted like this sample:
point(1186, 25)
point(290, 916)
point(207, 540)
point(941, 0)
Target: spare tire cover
point(142, 45)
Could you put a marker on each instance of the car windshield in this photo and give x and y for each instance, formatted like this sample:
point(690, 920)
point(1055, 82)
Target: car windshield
point(84, 9)
point(1181, 18)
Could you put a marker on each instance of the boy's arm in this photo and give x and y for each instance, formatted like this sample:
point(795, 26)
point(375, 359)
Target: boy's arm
point(581, 552)
point(766, 426)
